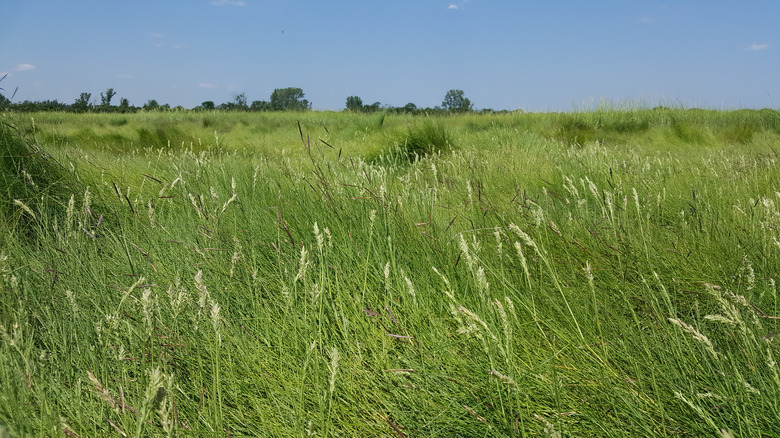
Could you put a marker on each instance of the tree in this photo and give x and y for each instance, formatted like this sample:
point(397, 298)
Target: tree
point(207, 105)
point(374, 107)
point(239, 102)
point(410, 108)
point(82, 103)
point(354, 103)
point(289, 99)
point(455, 101)
point(152, 105)
point(124, 105)
point(105, 99)
point(4, 102)
point(260, 105)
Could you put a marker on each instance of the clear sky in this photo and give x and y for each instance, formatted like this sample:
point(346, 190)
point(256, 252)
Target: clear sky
point(537, 55)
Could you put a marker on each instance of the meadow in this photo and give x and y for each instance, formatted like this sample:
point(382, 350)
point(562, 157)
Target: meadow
point(603, 273)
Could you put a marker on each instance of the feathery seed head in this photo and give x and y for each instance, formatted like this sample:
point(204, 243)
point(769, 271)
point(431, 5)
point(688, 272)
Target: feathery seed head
point(303, 264)
point(320, 238)
point(334, 367)
point(482, 280)
point(696, 334)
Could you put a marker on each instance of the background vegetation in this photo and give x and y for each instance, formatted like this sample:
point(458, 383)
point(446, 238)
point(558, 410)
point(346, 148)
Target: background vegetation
point(282, 99)
point(601, 273)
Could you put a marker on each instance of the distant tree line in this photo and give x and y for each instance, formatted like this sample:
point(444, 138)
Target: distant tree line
point(454, 101)
point(282, 99)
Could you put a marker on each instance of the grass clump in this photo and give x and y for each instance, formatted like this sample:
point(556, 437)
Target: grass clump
point(688, 132)
point(33, 185)
point(576, 131)
point(424, 139)
point(420, 140)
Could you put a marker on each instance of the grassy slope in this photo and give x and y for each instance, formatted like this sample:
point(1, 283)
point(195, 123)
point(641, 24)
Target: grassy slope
point(590, 274)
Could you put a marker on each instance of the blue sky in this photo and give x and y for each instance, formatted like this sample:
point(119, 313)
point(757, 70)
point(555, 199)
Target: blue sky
point(543, 55)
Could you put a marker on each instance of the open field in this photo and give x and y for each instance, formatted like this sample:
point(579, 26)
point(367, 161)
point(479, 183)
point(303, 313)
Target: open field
point(605, 273)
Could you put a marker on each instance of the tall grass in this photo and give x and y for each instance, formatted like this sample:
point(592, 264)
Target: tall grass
point(273, 281)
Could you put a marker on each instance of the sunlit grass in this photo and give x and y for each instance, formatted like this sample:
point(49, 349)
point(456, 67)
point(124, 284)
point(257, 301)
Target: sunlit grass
point(601, 273)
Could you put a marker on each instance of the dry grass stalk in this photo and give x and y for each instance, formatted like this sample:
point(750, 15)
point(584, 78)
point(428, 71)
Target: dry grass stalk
point(104, 394)
point(121, 432)
point(475, 414)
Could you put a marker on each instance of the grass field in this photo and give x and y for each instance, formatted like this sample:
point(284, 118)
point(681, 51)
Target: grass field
point(602, 273)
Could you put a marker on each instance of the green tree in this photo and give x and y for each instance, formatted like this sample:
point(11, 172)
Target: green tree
point(354, 103)
point(105, 99)
point(410, 108)
point(239, 102)
point(207, 105)
point(289, 99)
point(124, 105)
point(151, 105)
point(372, 108)
point(260, 105)
point(82, 103)
point(456, 102)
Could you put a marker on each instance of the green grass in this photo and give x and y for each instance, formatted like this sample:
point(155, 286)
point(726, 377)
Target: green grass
point(602, 273)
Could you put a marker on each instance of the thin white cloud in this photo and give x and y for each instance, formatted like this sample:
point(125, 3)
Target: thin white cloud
point(159, 40)
point(24, 67)
point(206, 85)
point(228, 2)
point(753, 47)
point(459, 5)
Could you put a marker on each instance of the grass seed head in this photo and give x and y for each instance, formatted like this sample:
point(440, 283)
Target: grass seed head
point(330, 237)
point(523, 262)
point(499, 242)
point(104, 393)
point(315, 292)
point(320, 238)
point(464, 248)
point(25, 208)
point(484, 286)
point(409, 285)
point(303, 264)
point(74, 307)
point(215, 319)
point(334, 367)
point(696, 334)
point(506, 379)
point(549, 429)
point(504, 321)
